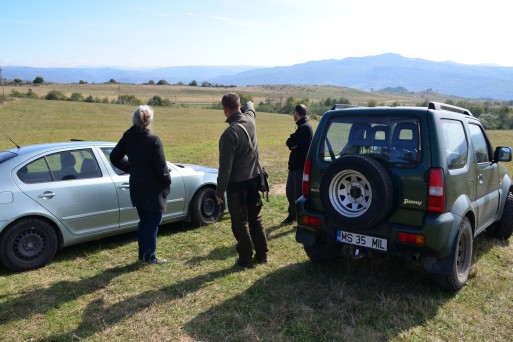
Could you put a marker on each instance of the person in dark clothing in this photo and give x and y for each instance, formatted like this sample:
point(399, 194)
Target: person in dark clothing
point(239, 177)
point(149, 179)
point(298, 144)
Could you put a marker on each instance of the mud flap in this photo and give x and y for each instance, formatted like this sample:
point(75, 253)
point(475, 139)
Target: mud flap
point(305, 238)
point(443, 267)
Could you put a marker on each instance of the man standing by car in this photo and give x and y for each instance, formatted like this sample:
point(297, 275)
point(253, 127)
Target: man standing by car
point(239, 177)
point(298, 144)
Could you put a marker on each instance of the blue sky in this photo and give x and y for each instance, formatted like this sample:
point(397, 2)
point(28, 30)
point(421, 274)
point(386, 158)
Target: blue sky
point(155, 33)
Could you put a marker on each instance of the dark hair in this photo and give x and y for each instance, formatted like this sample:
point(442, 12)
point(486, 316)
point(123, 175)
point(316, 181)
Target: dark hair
point(300, 109)
point(231, 101)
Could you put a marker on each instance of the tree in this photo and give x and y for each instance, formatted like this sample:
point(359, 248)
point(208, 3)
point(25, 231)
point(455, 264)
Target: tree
point(151, 82)
point(38, 80)
point(113, 81)
point(82, 82)
point(193, 83)
point(162, 82)
point(18, 81)
point(205, 84)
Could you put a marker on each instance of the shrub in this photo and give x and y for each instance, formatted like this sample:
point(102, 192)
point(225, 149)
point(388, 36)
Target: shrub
point(159, 101)
point(77, 97)
point(55, 95)
point(193, 83)
point(82, 82)
point(32, 95)
point(129, 100)
point(162, 82)
point(15, 93)
point(89, 99)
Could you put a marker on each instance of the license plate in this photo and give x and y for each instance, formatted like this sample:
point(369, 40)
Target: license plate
point(362, 240)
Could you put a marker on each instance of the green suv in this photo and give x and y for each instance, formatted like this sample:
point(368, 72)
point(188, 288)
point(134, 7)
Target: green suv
point(414, 182)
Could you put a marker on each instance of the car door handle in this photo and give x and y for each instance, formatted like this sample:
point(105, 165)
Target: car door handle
point(124, 186)
point(47, 195)
point(480, 178)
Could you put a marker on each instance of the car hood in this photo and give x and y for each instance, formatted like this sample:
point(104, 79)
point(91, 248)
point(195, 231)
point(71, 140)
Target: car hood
point(197, 168)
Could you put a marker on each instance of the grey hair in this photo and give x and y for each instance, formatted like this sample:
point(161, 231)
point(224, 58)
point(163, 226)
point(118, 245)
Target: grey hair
point(142, 117)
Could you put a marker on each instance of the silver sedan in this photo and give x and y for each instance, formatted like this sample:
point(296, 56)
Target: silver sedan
point(60, 194)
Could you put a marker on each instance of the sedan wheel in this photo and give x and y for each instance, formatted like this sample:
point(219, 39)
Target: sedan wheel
point(204, 207)
point(28, 244)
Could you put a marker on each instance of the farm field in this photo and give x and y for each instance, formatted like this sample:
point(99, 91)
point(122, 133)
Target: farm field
point(195, 96)
point(97, 292)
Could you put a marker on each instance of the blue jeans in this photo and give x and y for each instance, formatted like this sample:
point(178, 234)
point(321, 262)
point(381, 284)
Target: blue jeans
point(147, 233)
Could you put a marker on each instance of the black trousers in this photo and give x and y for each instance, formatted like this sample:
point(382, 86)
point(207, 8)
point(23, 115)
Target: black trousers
point(244, 205)
point(294, 189)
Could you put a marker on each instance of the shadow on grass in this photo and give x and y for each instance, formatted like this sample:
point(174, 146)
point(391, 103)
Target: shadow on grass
point(42, 300)
point(92, 247)
point(98, 315)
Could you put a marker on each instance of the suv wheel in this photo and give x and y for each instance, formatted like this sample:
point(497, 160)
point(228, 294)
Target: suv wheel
point(356, 191)
point(322, 251)
point(461, 259)
point(504, 227)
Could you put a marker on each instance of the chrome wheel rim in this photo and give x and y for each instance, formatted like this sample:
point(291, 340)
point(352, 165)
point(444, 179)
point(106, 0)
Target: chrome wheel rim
point(350, 193)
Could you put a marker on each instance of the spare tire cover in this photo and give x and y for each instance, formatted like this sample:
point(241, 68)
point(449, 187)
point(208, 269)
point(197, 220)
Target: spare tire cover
point(356, 191)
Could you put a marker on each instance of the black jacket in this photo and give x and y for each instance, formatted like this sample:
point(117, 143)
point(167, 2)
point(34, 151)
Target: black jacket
point(298, 144)
point(149, 174)
point(237, 162)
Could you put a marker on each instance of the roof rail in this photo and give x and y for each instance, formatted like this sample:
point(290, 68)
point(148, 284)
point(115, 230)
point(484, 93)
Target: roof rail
point(342, 106)
point(444, 106)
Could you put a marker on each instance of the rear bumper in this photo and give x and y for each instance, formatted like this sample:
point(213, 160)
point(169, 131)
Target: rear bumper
point(439, 232)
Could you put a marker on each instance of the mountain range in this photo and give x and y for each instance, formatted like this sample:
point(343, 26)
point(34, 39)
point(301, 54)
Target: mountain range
point(364, 73)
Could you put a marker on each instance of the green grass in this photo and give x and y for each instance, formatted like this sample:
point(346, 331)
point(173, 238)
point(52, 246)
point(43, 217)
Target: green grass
point(96, 292)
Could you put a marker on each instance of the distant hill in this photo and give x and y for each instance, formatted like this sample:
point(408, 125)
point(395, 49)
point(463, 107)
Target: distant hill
point(386, 71)
point(123, 75)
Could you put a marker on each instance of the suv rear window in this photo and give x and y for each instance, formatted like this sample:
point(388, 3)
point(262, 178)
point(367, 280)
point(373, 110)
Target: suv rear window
point(391, 140)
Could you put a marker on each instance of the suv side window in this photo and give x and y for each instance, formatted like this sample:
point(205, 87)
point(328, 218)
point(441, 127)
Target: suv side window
point(456, 145)
point(482, 149)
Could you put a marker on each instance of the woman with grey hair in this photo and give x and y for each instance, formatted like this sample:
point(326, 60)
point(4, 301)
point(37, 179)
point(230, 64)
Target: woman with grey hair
point(149, 179)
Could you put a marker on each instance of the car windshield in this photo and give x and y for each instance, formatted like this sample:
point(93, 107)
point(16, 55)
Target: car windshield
point(6, 155)
point(391, 140)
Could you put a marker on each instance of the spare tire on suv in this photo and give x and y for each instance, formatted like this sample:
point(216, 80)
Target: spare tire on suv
point(356, 191)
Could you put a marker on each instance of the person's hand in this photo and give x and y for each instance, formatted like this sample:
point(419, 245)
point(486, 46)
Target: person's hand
point(220, 200)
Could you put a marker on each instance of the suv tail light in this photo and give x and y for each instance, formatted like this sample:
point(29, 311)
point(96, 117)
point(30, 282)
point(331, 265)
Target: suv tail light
point(306, 177)
point(436, 191)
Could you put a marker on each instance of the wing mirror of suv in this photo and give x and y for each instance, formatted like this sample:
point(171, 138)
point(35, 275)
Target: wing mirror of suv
point(502, 154)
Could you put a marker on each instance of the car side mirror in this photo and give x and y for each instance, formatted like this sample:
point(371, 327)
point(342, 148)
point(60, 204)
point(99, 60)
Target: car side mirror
point(502, 154)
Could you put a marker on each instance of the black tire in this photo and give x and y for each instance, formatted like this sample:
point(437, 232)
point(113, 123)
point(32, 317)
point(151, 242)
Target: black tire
point(322, 251)
point(356, 192)
point(461, 259)
point(28, 244)
point(204, 207)
point(504, 227)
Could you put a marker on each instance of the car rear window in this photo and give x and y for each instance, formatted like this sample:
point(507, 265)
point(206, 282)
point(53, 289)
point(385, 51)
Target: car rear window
point(6, 155)
point(391, 140)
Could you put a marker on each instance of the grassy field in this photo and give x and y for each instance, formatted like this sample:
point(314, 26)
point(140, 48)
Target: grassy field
point(97, 292)
point(194, 96)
